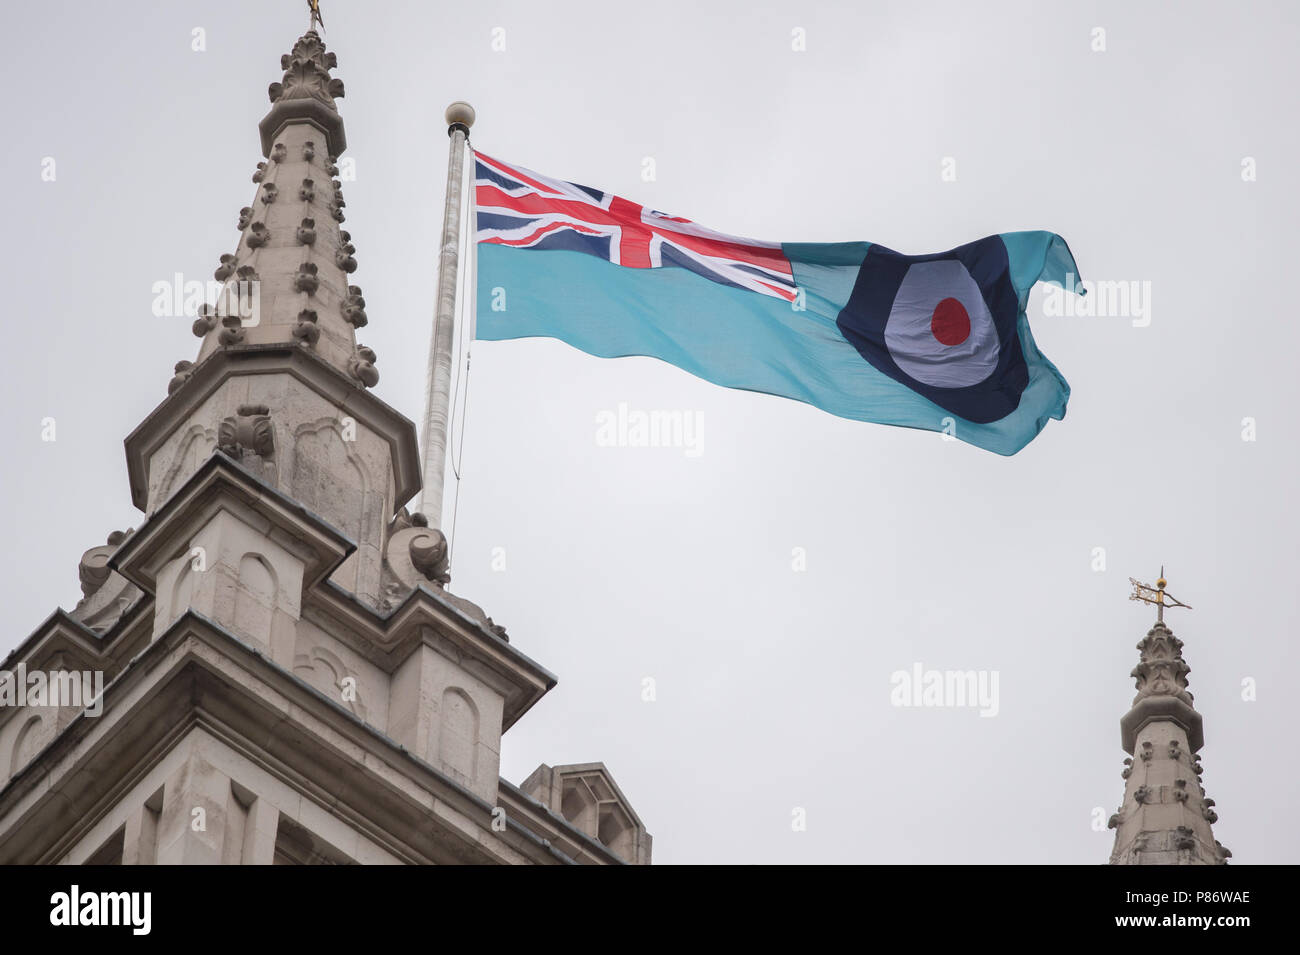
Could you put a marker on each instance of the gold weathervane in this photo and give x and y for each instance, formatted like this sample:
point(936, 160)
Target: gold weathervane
point(314, 6)
point(1156, 595)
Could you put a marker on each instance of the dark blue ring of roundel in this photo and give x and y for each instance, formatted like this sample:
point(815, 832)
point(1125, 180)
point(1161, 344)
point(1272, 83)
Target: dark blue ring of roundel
point(862, 323)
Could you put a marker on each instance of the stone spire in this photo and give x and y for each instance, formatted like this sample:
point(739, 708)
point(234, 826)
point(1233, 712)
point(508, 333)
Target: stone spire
point(277, 644)
point(288, 278)
point(280, 383)
point(1165, 818)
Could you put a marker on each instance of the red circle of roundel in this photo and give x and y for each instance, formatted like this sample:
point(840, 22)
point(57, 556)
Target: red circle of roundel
point(950, 323)
point(944, 325)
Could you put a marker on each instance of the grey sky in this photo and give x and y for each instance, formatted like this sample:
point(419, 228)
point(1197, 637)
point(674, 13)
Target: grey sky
point(772, 686)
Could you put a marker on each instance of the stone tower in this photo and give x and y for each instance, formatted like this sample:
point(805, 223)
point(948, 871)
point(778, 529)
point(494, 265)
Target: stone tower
point(1165, 818)
point(274, 670)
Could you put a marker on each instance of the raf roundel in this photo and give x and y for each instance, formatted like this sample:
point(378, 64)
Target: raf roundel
point(939, 330)
point(944, 325)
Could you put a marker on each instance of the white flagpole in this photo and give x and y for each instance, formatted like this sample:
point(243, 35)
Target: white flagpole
point(460, 117)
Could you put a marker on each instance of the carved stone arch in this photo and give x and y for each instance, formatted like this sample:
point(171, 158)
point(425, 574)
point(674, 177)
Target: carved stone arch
point(183, 587)
point(256, 589)
point(183, 462)
point(320, 485)
point(458, 733)
point(18, 755)
point(331, 423)
point(324, 670)
point(272, 584)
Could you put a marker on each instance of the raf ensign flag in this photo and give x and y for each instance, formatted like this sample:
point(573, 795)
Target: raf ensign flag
point(938, 342)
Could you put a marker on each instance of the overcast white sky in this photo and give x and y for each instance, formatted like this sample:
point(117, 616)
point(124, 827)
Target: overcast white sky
point(773, 686)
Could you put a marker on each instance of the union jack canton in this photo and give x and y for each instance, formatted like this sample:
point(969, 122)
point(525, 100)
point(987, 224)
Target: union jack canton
point(523, 209)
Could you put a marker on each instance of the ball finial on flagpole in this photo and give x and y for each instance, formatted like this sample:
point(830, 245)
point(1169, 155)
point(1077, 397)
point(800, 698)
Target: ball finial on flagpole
point(460, 115)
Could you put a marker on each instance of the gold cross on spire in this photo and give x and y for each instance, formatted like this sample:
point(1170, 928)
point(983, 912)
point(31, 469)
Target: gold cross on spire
point(1156, 595)
point(314, 5)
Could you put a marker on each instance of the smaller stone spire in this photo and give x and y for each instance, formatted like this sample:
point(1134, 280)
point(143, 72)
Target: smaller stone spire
point(1165, 818)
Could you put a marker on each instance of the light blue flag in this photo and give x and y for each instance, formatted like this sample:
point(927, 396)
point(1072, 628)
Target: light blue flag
point(937, 342)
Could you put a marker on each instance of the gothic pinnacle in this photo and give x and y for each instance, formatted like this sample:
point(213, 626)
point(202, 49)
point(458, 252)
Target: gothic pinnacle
point(287, 280)
point(306, 92)
point(1165, 817)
